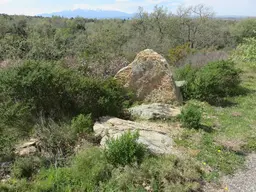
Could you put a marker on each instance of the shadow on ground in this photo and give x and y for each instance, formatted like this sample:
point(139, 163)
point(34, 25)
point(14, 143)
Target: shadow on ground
point(227, 102)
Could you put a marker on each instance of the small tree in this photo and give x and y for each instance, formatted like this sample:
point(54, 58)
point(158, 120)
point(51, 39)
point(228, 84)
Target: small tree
point(191, 116)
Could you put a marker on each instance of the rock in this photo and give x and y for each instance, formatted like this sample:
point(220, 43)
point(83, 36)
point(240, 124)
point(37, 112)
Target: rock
point(157, 142)
point(180, 83)
point(150, 77)
point(6, 179)
point(27, 148)
point(236, 114)
point(154, 111)
point(27, 151)
point(5, 170)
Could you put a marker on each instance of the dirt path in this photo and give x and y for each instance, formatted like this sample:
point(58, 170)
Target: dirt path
point(242, 181)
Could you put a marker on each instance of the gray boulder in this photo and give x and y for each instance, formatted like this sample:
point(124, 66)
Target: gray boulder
point(154, 111)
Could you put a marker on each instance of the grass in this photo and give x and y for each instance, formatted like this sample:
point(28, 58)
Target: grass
point(227, 133)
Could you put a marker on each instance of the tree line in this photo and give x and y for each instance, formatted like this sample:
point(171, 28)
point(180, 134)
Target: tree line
point(87, 40)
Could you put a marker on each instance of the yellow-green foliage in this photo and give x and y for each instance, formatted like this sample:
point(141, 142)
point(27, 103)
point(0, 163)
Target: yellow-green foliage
point(179, 53)
point(246, 51)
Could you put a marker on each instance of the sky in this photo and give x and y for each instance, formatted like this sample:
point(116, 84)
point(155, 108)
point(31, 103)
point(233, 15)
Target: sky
point(34, 7)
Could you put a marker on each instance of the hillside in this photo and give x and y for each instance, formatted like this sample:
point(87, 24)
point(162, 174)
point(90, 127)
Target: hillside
point(152, 103)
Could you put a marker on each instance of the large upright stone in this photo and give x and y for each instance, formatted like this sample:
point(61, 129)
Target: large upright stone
point(150, 77)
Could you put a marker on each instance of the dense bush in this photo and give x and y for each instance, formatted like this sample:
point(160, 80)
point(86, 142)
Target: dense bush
point(246, 51)
point(87, 171)
point(92, 168)
point(26, 167)
point(82, 124)
point(211, 82)
point(15, 185)
point(165, 173)
point(217, 79)
point(191, 116)
point(57, 141)
point(187, 73)
point(9, 137)
point(56, 92)
point(125, 150)
point(16, 115)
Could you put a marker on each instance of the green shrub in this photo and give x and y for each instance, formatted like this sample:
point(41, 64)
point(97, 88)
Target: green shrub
point(125, 150)
point(211, 82)
point(52, 91)
point(187, 73)
point(82, 124)
point(40, 85)
point(14, 185)
point(57, 140)
point(164, 173)
point(8, 138)
point(26, 167)
point(15, 114)
point(87, 171)
point(55, 180)
point(191, 116)
point(216, 79)
point(91, 168)
point(15, 123)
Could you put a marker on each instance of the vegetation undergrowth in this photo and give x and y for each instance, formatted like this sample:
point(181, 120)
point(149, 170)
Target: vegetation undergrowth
point(227, 133)
point(90, 171)
point(211, 82)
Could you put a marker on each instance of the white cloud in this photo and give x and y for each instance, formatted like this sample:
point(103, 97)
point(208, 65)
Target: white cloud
point(126, 5)
point(2, 2)
point(122, 0)
point(119, 5)
point(221, 7)
point(225, 7)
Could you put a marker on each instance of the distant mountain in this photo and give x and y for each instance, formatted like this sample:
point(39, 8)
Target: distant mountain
point(108, 14)
point(232, 17)
point(91, 14)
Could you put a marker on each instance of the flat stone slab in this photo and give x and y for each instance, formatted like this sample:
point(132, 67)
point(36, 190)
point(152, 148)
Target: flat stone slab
point(157, 142)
